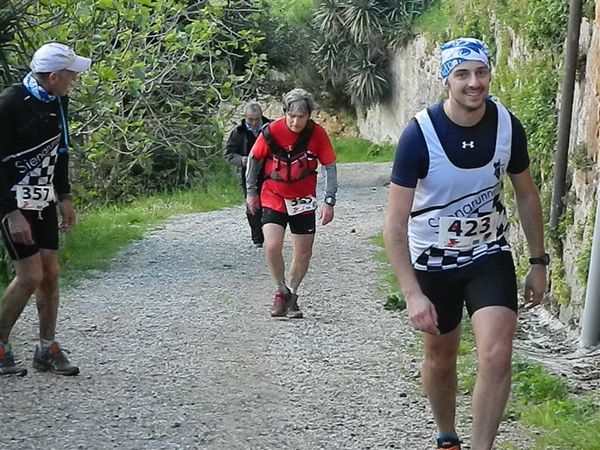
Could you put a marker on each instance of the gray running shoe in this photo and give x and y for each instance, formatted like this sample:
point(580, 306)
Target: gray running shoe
point(8, 366)
point(293, 311)
point(54, 359)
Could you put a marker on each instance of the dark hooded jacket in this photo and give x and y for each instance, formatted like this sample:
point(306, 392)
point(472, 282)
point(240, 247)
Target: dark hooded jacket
point(238, 145)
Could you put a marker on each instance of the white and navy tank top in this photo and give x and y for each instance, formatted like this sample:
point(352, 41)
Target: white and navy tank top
point(458, 214)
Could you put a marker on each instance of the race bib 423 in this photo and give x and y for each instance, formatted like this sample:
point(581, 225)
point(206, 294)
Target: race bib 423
point(465, 233)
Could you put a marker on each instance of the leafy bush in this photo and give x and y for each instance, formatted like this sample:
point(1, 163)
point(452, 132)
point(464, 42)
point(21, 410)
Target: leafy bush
point(148, 116)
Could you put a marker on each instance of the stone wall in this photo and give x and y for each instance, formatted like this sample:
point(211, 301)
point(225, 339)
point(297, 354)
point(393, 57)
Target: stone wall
point(415, 84)
point(585, 131)
point(592, 131)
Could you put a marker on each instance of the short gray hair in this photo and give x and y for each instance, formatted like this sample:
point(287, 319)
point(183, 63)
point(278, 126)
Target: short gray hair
point(298, 101)
point(252, 108)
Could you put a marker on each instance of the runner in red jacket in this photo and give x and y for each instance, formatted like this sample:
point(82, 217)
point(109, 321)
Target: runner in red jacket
point(291, 150)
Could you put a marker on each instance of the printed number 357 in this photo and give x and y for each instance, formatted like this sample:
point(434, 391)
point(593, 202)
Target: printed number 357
point(35, 193)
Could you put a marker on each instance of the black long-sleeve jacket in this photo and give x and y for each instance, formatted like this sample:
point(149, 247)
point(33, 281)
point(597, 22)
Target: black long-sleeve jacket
point(238, 145)
point(32, 145)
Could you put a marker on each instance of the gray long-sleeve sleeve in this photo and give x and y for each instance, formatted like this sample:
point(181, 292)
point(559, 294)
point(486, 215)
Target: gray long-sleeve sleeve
point(330, 174)
point(252, 170)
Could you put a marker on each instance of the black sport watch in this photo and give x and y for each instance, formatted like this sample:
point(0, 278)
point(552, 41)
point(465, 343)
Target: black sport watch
point(330, 200)
point(544, 260)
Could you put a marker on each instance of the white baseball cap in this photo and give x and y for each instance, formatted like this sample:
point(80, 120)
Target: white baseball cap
point(54, 57)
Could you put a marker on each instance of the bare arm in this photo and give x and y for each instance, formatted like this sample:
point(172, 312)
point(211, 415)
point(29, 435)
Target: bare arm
point(530, 216)
point(68, 215)
point(420, 309)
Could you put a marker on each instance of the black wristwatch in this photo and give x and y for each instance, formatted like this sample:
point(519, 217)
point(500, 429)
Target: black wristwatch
point(544, 260)
point(330, 200)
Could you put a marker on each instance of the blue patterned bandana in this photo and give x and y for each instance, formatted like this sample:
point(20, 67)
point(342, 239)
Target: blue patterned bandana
point(36, 90)
point(458, 51)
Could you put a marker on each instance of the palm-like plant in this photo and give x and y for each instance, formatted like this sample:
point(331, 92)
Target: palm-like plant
point(364, 18)
point(328, 17)
point(369, 75)
point(355, 38)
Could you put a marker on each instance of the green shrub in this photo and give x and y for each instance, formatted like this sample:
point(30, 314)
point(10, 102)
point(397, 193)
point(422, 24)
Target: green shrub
point(532, 383)
point(351, 149)
point(395, 302)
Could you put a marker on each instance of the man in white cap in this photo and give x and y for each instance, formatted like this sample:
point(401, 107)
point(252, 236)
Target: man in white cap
point(33, 183)
point(445, 237)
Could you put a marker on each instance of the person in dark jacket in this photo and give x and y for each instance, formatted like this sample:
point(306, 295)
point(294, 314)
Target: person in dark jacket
point(33, 183)
point(238, 148)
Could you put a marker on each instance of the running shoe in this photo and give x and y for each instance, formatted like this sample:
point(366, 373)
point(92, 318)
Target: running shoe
point(279, 308)
point(444, 444)
point(293, 311)
point(8, 366)
point(54, 359)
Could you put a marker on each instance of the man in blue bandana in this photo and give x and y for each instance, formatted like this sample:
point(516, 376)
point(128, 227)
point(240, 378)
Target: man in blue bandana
point(34, 181)
point(445, 235)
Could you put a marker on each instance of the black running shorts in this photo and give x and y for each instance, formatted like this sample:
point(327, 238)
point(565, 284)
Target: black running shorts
point(44, 229)
point(304, 223)
point(489, 281)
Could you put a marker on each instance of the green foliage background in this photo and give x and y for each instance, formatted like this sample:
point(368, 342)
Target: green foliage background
point(148, 116)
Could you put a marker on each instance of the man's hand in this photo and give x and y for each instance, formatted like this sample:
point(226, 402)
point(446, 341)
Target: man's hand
point(422, 314)
point(326, 214)
point(67, 213)
point(253, 203)
point(535, 284)
point(20, 231)
point(244, 161)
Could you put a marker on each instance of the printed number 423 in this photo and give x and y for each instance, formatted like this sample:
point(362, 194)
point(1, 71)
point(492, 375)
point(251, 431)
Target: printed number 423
point(470, 228)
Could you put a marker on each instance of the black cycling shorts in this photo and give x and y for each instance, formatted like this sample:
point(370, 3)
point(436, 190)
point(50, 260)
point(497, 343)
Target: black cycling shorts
point(490, 281)
point(304, 223)
point(44, 230)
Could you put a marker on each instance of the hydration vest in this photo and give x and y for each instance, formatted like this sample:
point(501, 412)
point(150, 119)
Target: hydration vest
point(292, 164)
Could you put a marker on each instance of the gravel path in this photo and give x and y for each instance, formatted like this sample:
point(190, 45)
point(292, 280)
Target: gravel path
point(177, 348)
